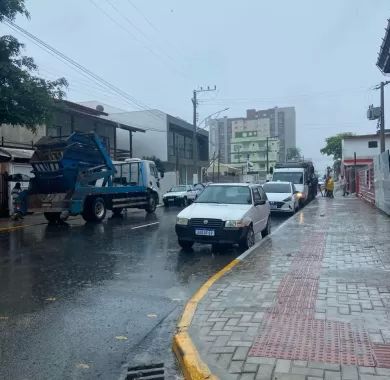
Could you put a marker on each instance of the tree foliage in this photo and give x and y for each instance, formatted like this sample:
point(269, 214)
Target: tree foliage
point(25, 99)
point(10, 8)
point(333, 145)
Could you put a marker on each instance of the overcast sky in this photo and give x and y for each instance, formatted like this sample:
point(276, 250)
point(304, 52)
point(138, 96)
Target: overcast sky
point(318, 56)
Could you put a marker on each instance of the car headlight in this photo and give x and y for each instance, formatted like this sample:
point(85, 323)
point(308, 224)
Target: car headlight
point(182, 221)
point(287, 199)
point(299, 195)
point(234, 223)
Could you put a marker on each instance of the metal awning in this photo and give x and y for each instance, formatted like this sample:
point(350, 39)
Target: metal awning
point(383, 61)
point(15, 154)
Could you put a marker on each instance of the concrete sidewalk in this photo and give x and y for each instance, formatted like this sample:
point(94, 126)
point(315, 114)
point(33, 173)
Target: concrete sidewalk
point(311, 302)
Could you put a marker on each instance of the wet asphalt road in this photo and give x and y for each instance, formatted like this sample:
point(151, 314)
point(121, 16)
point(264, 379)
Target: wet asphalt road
point(82, 301)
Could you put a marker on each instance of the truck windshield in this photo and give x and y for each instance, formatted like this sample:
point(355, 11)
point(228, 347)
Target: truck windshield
point(225, 195)
point(277, 188)
point(294, 177)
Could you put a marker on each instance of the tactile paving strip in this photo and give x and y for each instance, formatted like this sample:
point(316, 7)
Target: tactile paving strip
point(300, 338)
point(382, 355)
point(289, 330)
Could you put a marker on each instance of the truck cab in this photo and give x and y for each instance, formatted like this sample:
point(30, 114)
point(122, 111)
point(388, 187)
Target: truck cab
point(301, 174)
point(297, 176)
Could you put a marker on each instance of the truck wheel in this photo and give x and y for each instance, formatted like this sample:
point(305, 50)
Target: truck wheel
point(52, 217)
point(152, 204)
point(94, 210)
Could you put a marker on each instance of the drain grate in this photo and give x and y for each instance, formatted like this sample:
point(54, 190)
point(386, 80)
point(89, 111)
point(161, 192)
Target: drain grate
point(146, 372)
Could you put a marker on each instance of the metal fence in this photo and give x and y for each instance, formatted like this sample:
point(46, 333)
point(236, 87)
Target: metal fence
point(366, 184)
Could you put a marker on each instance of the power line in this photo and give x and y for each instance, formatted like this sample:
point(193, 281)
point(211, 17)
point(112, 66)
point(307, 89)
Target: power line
point(331, 93)
point(129, 98)
point(124, 28)
point(157, 30)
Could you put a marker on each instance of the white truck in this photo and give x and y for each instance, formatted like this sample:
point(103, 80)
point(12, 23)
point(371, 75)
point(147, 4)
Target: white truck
point(301, 174)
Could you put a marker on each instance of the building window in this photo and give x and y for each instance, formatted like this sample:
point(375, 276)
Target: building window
point(373, 144)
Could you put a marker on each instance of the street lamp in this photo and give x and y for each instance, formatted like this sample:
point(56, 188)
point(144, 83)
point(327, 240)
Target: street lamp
point(207, 117)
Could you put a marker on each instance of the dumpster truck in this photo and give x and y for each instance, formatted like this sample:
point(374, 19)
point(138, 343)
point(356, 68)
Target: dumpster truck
point(301, 174)
point(76, 176)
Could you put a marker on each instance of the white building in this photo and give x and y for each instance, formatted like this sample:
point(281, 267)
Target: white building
point(166, 137)
point(366, 147)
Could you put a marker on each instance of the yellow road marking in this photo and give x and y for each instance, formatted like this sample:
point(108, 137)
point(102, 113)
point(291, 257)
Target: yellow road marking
point(191, 363)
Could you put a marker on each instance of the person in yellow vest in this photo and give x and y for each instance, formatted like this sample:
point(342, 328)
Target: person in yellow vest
point(329, 187)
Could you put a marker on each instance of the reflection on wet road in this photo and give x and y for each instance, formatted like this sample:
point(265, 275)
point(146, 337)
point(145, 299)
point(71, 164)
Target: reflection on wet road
point(78, 301)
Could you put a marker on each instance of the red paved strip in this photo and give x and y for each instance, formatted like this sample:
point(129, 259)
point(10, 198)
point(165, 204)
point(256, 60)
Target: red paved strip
point(289, 330)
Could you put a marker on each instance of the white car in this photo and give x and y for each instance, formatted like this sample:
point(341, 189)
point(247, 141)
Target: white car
point(282, 196)
point(196, 190)
point(177, 195)
point(225, 214)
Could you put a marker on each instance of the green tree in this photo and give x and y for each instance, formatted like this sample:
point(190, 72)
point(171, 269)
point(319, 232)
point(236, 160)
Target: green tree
point(25, 99)
point(333, 145)
point(293, 153)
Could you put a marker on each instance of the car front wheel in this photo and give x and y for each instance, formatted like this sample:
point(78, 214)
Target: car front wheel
point(249, 239)
point(267, 229)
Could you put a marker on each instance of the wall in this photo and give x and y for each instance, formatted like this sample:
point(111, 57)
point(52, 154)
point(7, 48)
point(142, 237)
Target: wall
point(382, 182)
point(20, 135)
point(360, 146)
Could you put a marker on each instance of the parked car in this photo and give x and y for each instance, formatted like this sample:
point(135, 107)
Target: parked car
point(196, 190)
point(282, 196)
point(177, 195)
point(225, 214)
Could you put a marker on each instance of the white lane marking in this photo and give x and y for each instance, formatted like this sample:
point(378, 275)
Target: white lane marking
point(144, 225)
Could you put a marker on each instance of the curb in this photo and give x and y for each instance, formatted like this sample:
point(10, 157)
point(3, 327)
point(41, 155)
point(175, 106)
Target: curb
point(190, 362)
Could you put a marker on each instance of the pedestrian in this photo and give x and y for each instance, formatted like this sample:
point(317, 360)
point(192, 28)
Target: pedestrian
point(344, 184)
point(330, 187)
point(15, 193)
point(326, 186)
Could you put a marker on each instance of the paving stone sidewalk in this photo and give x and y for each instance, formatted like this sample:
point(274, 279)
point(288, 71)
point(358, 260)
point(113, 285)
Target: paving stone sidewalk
point(312, 302)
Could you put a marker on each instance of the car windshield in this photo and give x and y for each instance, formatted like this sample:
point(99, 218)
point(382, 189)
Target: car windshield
point(277, 188)
point(294, 177)
point(178, 188)
point(226, 195)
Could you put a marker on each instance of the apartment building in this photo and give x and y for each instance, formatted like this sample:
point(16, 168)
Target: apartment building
point(282, 125)
point(251, 143)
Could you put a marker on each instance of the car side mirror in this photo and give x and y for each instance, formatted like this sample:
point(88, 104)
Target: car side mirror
point(260, 203)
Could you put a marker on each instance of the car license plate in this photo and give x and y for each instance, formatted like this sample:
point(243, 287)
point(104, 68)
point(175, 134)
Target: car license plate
point(47, 205)
point(204, 232)
point(171, 200)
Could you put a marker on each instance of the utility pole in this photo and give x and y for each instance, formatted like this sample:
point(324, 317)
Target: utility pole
point(194, 123)
point(382, 130)
point(267, 157)
point(381, 87)
point(219, 160)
